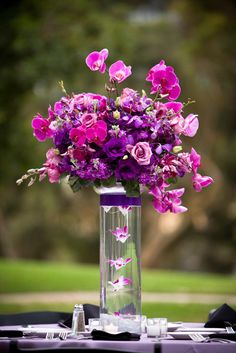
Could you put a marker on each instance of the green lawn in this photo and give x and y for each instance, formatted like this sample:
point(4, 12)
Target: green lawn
point(174, 312)
point(30, 276)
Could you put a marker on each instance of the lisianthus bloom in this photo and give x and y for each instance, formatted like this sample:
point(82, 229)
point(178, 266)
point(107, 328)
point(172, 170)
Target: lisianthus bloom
point(118, 71)
point(89, 101)
point(115, 147)
point(96, 60)
point(164, 80)
point(141, 152)
point(41, 128)
point(127, 169)
point(89, 119)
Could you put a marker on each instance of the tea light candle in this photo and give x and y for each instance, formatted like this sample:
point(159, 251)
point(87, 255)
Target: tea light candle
point(153, 330)
point(111, 328)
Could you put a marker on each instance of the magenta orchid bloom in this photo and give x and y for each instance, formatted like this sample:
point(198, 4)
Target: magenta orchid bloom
point(41, 128)
point(165, 201)
point(118, 71)
point(120, 283)
point(120, 262)
point(96, 60)
point(78, 136)
point(121, 234)
point(164, 80)
point(200, 182)
point(97, 133)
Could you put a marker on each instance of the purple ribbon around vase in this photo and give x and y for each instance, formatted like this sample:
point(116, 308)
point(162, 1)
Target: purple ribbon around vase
point(119, 200)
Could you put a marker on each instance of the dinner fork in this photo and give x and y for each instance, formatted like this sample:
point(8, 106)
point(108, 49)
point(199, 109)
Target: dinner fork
point(229, 329)
point(197, 337)
point(63, 335)
point(49, 335)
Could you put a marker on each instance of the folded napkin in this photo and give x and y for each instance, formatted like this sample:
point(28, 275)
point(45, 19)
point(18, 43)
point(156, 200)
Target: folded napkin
point(228, 336)
point(122, 336)
point(222, 317)
point(11, 333)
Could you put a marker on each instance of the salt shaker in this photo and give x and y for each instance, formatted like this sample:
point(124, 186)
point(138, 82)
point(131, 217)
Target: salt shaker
point(78, 321)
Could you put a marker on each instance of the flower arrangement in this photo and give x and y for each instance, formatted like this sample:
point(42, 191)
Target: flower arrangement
point(128, 138)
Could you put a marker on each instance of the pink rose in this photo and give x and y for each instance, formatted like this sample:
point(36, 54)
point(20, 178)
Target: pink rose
point(89, 120)
point(141, 152)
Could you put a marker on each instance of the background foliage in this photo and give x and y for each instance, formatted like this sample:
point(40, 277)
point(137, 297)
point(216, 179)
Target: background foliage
point(43, 42)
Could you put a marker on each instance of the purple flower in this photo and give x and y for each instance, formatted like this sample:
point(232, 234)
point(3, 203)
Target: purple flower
point(121, 234)
point(41, 128)
point(164, 80)
point(200, 181)
point(141, 152)
point(89, 119)
point(97, 133)
point(191, 125)
point(118, 71)
point(165, 201)
point(127, 169)
point(51, 166)
point(120, 262)
point(195, 159)
point(96, 60)
point(78, 136)
point(120, 283)
point(130, 138)
point(115, 147)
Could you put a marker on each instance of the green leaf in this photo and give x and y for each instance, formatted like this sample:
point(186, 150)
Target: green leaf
point(109, 182)
point(76, 183)
point(132, 188)
point(171, 180)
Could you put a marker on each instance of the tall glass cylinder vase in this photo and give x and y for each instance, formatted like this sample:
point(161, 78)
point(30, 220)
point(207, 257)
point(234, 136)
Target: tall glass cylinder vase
point(120, 251)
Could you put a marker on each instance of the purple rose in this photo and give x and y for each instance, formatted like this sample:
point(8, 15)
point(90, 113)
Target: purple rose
point(115, 147)
point(127, 169)
point(89, 119)
point(141, 152)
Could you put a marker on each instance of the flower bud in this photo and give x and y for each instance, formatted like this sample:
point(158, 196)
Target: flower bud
point(116, 115)
point(125, 157)
point(117, 102)
point(177, 149)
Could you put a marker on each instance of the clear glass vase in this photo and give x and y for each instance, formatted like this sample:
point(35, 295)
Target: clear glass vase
point(120, 251)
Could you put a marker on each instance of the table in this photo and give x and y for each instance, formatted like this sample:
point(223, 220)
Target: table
point(145, 345)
